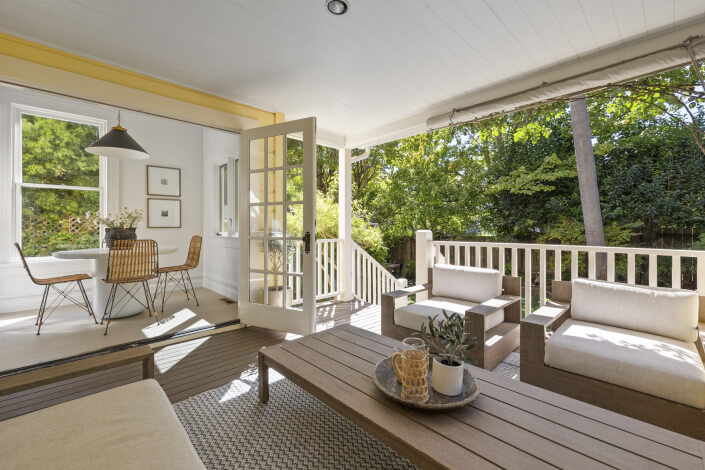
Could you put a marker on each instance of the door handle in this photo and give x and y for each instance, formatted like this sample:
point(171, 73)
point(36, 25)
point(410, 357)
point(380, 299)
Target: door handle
point(307, 242)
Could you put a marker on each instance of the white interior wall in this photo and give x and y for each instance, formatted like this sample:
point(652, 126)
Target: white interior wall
point(220, 254)
point(170, 143)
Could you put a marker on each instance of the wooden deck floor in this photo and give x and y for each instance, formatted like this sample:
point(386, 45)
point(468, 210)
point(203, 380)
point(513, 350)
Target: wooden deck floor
point(193, 366)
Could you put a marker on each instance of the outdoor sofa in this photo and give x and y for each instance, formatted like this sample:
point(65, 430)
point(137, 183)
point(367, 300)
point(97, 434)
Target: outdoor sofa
point(631, 349)
point(489, 301)
point(129, 427)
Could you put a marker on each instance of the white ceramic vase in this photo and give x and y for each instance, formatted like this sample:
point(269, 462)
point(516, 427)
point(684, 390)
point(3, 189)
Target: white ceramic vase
point(447, 380)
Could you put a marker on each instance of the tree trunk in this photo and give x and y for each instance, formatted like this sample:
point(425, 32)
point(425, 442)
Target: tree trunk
point(587, 180)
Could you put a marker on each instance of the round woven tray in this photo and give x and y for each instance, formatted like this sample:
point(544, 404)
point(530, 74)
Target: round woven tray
point(386, 380)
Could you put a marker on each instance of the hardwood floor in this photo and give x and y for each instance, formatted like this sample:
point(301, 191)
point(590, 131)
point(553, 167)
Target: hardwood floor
point(192, 366)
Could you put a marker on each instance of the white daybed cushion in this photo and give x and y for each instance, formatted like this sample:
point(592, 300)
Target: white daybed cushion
point(659, 311)
point(660, 366)
point(129, 427)
point(413, 316)
point(466, 283)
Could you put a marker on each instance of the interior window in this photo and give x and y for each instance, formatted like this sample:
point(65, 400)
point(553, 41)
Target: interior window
point(59, 183)
point(227, 199)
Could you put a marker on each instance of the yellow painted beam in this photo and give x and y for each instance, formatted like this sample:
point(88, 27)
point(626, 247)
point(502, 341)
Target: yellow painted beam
point(37, 53)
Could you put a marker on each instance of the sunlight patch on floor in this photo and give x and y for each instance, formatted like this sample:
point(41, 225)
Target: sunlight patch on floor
point(246, 382)
point(183, 350)
point(12, 321)
point(168, 323)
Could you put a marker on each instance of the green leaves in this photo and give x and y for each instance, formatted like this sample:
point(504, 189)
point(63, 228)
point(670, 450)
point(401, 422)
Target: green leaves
point(446, 338)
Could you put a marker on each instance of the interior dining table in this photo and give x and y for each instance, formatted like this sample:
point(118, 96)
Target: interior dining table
point(127, 306)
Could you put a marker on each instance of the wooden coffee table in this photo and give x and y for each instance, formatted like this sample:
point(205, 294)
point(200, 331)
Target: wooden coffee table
point(510, 425)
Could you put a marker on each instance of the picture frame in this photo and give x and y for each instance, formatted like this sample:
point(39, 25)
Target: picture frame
point(163, 181)
point(163, 213)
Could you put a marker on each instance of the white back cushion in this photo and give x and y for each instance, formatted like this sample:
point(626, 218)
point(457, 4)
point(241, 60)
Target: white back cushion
point(466, 283)
point(665, 312)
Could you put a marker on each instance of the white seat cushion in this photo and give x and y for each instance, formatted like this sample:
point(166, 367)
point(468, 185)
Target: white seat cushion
point(413, 316)
point(657, 365)
point(466, 283)
point(659, 311)
point(128, 427)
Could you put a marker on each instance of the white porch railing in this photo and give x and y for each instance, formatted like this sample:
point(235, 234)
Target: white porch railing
point(328, 285)
point(654, 267)
point(370, 278)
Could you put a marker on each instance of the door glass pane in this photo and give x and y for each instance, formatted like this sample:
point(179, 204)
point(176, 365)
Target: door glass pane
point(275, 149)
point(275, 220)
point(275, 255)
point(257, 220)
point(294, 152)
point(295, 284)
point(295, 253)
point(275, 186)
point(257, 254)
point(294, 220)
point(257, 154)
point(295, 184)
point(256, 187)
point(257, 288)
point(275, 290)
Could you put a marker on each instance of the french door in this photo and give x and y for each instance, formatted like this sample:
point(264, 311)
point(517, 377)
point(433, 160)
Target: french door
point(277, 226)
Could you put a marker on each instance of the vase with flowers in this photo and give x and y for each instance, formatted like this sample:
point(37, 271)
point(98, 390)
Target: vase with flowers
point(122, 226)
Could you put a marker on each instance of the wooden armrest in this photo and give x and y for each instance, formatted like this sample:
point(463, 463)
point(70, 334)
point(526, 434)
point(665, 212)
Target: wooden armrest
point(552, 312)
point(36, 378)
point(407, 291)
point(492, 305)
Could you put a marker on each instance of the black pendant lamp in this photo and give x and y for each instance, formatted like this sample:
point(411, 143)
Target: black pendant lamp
point(118, 144)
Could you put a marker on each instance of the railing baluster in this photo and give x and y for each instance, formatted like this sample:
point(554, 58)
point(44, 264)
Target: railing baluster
point(631, 268)
point(500, 261)
point(478, 256)
point(653, 271)
point(467, 255)
point(676, 272)
point(557, 265)
point(456, 255)
point(592, 268)
point(573, 264)
point(610, 267)
point(542, 277)
point(701, 275)
point(318, 269)
point(527, 281)
point(515, 262)
point(489, 257)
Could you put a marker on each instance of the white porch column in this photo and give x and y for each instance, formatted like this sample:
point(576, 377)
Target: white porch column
point(424, 259)
point(345, 268)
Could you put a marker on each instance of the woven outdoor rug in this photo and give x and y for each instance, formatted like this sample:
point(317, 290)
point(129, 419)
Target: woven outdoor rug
point(230, 429)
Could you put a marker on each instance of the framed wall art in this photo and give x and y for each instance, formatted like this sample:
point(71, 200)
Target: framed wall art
point(163, 213)
point(163, 181)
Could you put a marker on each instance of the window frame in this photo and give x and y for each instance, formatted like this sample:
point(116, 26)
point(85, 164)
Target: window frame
point(16, 112)
point(232, 168)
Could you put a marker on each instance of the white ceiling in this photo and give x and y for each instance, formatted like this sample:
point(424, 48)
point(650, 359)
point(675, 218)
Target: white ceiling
point(375, 73)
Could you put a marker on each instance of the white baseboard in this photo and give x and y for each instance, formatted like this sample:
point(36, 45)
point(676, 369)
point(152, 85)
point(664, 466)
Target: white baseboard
point(225, 288)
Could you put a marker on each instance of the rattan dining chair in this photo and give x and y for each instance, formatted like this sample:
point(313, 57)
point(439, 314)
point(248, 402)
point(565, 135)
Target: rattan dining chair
point(51, 283)
point(169, 273)
point(131, 262)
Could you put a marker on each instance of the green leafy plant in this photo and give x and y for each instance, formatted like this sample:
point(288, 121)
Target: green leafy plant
point(126, 218)
point(447, 339)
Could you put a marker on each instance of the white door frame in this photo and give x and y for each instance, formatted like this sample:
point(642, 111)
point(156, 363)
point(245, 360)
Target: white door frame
point(254, 310)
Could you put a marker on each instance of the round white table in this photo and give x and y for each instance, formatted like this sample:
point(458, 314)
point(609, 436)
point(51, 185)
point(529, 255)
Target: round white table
point(129, 306)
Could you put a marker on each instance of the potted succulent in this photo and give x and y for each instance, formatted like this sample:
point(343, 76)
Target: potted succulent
point(122, 226)
point(448, 344)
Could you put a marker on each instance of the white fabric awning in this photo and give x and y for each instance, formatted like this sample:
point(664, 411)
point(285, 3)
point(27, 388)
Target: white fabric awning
point(626, 70)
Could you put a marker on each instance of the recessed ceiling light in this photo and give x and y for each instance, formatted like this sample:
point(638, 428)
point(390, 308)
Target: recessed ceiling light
point(337, 7)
